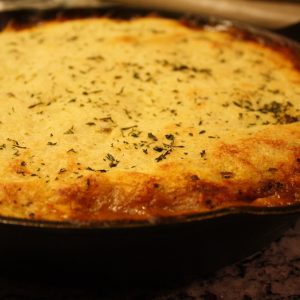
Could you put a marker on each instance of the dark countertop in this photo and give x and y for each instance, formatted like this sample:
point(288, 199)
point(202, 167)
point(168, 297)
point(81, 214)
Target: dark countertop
point(271, 274)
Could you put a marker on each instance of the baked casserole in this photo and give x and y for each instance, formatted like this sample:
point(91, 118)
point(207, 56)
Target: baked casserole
point(108, 119)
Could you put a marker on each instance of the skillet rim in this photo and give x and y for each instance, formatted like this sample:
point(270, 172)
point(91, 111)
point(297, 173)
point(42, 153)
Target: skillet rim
point(153, 222)
point(16, 20)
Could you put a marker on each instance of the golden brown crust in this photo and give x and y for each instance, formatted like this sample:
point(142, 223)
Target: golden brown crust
point(154, 131)
point(185, 193)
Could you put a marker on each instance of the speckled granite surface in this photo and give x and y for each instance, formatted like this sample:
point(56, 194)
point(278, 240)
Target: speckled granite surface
point(272, 274)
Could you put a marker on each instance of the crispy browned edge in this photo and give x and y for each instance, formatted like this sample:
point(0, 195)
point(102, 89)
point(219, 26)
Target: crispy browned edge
point(20, 20)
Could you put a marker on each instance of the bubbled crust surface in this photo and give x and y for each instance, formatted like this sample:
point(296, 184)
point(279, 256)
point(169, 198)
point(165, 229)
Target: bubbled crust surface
point(105, 119)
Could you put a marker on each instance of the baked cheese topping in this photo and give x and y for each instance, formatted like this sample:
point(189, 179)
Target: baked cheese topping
point(104, 119)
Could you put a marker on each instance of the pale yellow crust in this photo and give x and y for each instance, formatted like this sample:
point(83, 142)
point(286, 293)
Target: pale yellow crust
point(110, 120)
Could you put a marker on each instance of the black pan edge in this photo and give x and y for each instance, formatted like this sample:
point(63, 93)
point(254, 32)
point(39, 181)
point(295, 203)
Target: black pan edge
point(30, 17)
point(158, 221)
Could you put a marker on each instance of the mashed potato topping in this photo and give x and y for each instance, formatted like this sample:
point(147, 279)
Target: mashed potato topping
point(105, 119)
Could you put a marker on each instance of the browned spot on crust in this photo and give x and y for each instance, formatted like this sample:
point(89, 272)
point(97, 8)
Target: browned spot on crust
point(19, 167)
point(238, 153)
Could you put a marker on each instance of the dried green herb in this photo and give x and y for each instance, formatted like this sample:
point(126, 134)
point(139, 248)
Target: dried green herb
point(70, 131)
point(113, 162)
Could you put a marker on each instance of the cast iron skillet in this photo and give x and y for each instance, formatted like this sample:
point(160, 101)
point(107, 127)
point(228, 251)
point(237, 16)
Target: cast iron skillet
point(161, 248)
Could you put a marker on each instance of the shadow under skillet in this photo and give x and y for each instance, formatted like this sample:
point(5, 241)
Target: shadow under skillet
point(111, 261)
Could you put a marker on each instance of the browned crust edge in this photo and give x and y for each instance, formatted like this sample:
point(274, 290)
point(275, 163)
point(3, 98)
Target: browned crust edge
point(24, 19)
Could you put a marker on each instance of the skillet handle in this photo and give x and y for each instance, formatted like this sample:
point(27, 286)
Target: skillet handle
point(291, 31)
